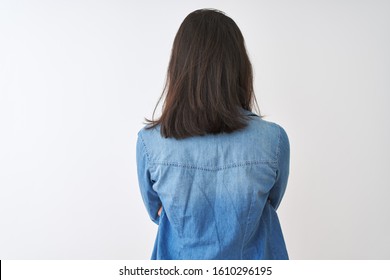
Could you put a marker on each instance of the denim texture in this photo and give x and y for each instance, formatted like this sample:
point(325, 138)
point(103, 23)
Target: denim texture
point(219, 193)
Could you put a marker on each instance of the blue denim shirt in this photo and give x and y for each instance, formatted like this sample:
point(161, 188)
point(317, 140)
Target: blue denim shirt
point(219, 193)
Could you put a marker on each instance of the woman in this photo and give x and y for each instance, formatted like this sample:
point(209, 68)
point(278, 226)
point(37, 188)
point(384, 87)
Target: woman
point(211, 172)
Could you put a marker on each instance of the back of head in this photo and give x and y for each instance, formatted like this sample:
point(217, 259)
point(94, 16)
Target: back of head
point(209, 79)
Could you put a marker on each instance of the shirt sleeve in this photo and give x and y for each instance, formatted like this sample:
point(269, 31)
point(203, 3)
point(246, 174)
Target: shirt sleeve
point(150, 197)
point(283, 166)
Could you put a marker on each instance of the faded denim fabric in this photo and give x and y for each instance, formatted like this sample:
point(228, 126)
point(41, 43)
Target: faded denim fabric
point(219, 192)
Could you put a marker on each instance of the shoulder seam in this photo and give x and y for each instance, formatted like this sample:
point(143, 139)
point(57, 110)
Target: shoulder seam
point(144, 145)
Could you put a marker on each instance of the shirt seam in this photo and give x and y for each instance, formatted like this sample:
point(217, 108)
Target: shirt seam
point(244, 241)
point(206, 168)
point(278, 150)
point(145, 148)
point(149, 163)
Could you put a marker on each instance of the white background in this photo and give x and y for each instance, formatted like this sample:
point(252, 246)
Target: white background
point(78, 77)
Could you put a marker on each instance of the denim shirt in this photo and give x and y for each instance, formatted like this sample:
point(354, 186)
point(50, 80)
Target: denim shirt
point(219, 192)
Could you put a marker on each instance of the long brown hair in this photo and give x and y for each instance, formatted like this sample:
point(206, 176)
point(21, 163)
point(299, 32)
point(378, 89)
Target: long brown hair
point(209, 78)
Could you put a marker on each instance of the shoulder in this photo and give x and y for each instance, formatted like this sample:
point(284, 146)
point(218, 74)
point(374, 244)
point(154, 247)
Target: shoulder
point(146, 131)
point(264, 133)
point(277, 130)
point(277, 134)
point(268, 128)
point(151, 138)
point(258, 123)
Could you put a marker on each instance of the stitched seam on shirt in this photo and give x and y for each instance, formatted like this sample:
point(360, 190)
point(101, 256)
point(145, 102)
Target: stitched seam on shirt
point(229, 194)
point(145, 148)
point(235, 210)
point(148, 162)
point(215, 223)
point(278, 150)
point(210, 168)
point(246, 227)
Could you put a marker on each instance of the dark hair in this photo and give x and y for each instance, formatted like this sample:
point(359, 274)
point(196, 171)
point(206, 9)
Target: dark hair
point(209, 78)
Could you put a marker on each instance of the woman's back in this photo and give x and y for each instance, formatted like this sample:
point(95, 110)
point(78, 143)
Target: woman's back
point(218, 192)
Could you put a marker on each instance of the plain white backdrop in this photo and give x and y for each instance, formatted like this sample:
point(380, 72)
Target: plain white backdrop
point(78, 77)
